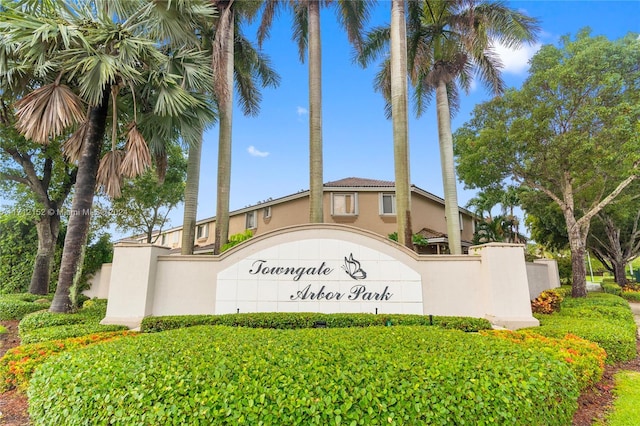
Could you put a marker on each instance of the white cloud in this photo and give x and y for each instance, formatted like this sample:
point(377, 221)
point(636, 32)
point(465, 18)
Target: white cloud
point(516, 61)
point(302, 111)
point(255, 153)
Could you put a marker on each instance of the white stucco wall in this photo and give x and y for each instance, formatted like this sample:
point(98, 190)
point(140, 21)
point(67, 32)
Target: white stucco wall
point(490, 283)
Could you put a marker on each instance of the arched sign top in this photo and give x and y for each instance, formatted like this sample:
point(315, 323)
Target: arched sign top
point(321, 268)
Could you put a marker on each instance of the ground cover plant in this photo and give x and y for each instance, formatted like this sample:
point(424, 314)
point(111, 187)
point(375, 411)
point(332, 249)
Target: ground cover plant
point(16, 305)
point(585, 358)
point(293, 320)
point(373, 375)
point(602, 318)
point(17, 364)
point(43, 326)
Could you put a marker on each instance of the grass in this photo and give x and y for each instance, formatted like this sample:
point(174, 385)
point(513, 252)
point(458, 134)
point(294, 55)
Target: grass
point(626, 410)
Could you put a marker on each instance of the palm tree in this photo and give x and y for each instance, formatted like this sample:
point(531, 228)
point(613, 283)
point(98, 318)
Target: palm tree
point(484, 202)
point(306, 33)
point(234, 56)
point(449, 41)
point(399, 114)
point(91, 53)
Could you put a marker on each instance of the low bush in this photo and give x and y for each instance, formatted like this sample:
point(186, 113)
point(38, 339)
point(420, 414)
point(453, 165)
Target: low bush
point(42, 319)
point(602, 318)
point(363, 376)
point(67, 331)
point(15, 306)
point(585, 358)
point(547, 302)
point(43, 326)
point(18, 364)
point(631, 295)
point(292, 320)
point(612, 288)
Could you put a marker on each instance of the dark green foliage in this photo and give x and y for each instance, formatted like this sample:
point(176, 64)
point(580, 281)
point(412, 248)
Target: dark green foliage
point(15, 306)
point(601, 318)
point(287, 320)
point(44, 326)
point(612, 288)
point(362, 376)
point(18, 247)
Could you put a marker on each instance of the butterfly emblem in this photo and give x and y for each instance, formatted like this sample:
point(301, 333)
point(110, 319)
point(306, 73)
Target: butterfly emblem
point(353, 269)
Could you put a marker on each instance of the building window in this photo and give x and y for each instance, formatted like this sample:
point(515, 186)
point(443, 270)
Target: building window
point(387, 204)
point(202, 231)
point(266, 212)
point(163, 240)
point(344, 204)
point(251, 220)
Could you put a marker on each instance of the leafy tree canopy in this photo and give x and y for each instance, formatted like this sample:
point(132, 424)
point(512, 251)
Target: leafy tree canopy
point(570, 133)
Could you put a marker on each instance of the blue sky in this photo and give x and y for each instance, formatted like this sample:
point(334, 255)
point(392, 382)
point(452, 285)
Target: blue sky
point(270, 151)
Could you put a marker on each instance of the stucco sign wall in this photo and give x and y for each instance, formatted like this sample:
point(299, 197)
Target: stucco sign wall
point(319, 275)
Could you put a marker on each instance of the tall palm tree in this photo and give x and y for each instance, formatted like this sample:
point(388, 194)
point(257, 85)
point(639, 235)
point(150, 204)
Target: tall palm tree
point(235, 60)
point(92, 53)
point(399, 115)
point(306, 33)
point(448, 41)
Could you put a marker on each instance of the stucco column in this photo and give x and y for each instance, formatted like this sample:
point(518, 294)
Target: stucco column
point(505, 285)
point(131, 289)
point(552, 271)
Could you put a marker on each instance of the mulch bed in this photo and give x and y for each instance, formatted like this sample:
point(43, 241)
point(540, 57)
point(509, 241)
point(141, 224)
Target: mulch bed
point(592, 404)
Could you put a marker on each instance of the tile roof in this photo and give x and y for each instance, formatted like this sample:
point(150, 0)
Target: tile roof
point(360, 182)
point(430, 233)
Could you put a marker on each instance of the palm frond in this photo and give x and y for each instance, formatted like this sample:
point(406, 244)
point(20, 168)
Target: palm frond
point(137, 158)
point(47, 112)
point(109, 177)
point(72, 147)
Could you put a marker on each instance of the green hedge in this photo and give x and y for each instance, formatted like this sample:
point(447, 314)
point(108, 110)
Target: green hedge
point(16, 305)
point(67, 331)
point(287, 320)
point(602, 318)
point(43, 326)
point(363, 376)
point(612, 288)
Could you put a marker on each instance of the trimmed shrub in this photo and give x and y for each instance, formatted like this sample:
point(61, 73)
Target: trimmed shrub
point(611, 288)
point(547, 302)
point(43, 326)
point(293, 320)
point(18, 364)
point(631, 295)
point(42, 319)
point(585, 358)
point(67, 331)
point(602, 318)
point(363, 376)
point(15, 309)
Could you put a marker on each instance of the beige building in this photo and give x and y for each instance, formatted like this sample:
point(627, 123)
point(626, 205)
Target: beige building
point(363, 203)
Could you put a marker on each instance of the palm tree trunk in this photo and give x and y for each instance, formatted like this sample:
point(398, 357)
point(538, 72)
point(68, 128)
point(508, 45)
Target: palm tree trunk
point(316, 214)
point(399, 115)
point(225, 105)
point(448, 169)
point(191, 196)
point(78, 227)
point(47, 226)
